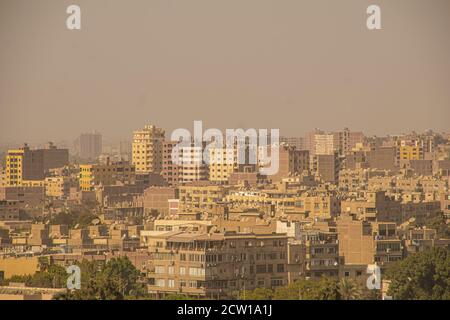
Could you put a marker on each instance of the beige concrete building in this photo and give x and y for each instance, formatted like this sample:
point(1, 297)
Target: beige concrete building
point(9, 210)
point(147, 149)
point(155, 200)
point(362, 242)
point(223, 162)
point(291, 162)
point(326, 167)
point(92, 175)
point(216, 264)
point(30, 200)
point(200, 196)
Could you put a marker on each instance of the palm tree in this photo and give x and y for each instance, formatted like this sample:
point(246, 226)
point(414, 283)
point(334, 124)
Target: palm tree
point(43, 263)
point(349, 289)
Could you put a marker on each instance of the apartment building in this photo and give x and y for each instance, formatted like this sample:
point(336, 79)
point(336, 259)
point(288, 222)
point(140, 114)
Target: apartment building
point(420, 239)
point(89, 145)
point(184, 164)
point(326, 167)
point(222, 163)
point(409, 150)
point(382, 157)
point(357, 179)
point(313, 204)
point(291, 162)
point(373, 206)
point(171, 171)
point(445, 203)
point(215, 265)
point(155, 200)
point(31, 200)
point(147, 149)
point(193, 168)
point(27, 164)
point(297, 142)
point(322, 253)
point(110, 173)
point(344, 141)
point(9, 210)
point(324, 144)
point(58, 186)
point(200, 196)
point(362, 242)
point(420, 167)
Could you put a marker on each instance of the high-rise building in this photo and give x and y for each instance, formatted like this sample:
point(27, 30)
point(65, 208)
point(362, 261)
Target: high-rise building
point(89, 145)
point(326, 166)
point(223, 162)
point(147, 149)
point(324, 144)
point(298, 142)
point(188, 165)
point(382, 158)
point(409, 150)
point(171, 171)
point(125, 150)
point(318, 142)
point(346, 140)
point(192, 166)
point(290, 162)
point(309, 141)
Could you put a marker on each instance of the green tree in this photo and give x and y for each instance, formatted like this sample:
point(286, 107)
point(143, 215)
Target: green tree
point(118, 279)
point(257, 294)
point(174, 296)
point(349, 289)
point(421, 276)
point(322, 289)
point(439, 223)
point(78, 216)
point(51, 276)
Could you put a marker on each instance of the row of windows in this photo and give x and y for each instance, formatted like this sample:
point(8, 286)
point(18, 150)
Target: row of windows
point(269, 268)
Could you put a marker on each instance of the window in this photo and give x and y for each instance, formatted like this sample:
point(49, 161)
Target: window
point(160, 283)
point(170, 270)
point(159, 269)
point(280, 267)
point(196, 271)
point(277, 282)
point(171, 283)
point(182, 271)
point(261, 268)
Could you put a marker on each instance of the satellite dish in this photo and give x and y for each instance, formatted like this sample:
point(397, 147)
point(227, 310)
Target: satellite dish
point(76, 226)
point(95, 222)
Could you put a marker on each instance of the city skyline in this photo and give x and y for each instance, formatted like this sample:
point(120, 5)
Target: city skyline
point(298, 65)
point(242, 151)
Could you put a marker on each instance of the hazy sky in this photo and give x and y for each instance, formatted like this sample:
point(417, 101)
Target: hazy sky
point(288, 64)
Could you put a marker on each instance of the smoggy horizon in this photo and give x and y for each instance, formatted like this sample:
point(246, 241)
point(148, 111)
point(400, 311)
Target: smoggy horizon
point(292, 65)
